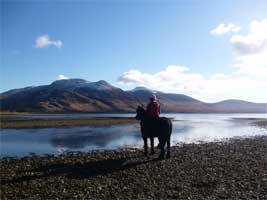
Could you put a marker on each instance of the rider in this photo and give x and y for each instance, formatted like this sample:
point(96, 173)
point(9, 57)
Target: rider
point(153, 110)
point(153, 107)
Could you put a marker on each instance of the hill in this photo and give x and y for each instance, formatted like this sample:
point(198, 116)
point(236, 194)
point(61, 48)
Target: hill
point(78, 95)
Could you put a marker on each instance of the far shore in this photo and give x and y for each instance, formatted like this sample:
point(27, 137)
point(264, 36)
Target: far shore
point(6, 113)
point(19, 120)
point(46, 123)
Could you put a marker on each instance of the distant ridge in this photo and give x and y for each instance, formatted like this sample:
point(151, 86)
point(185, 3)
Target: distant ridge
point(78, 95)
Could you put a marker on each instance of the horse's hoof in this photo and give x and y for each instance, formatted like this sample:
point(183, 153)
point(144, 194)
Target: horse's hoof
point(161, 157)
point(152, 153)
point(168, 156)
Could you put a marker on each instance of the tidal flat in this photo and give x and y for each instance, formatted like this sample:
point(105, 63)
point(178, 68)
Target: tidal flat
point(229, 169)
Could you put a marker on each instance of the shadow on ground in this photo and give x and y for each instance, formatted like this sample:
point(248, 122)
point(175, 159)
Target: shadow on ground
point(80, 170)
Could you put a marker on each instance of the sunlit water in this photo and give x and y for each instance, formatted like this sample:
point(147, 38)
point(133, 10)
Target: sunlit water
point(188, 128)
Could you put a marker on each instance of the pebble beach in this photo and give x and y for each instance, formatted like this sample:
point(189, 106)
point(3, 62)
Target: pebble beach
point(228, 169)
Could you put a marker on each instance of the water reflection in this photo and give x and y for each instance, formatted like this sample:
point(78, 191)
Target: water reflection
point(187, 128)
point(104, 138)
point(99, 138)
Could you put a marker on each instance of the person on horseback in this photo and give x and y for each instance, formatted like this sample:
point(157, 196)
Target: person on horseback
point(153, 107)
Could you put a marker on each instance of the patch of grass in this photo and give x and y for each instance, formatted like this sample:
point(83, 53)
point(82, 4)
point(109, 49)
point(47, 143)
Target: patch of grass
point(262, 123)
point(44, 123)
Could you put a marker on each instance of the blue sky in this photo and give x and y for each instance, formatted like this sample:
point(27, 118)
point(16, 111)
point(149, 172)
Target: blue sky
point(131, 43)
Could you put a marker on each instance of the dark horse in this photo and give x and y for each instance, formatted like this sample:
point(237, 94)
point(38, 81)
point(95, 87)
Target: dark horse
point(155, 127)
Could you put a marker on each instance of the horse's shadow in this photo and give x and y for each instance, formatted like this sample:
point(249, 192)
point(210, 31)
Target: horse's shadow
point(89, 169)
point(79, 170)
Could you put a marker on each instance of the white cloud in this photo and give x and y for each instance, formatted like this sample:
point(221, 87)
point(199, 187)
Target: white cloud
point(62, 77)
point(179, 79)
point(170, 79)
point(225, 28)
point(44, 41)
point(254, 42)
point(248, 80)
point(251, 50)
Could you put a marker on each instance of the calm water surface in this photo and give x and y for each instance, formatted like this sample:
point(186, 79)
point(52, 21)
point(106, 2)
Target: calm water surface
point(187, 128)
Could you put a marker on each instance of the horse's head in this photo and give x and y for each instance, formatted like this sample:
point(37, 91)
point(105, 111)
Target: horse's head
point(140, 113)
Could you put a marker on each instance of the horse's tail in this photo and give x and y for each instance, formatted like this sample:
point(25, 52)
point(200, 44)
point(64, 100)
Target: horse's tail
point(170, 131)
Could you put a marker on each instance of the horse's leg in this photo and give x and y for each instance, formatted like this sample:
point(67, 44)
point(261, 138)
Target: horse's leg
point(145, 144)
point(169, 141)
point(162, 151)
point(158, 147)
point(152, 145)
point(169, 147)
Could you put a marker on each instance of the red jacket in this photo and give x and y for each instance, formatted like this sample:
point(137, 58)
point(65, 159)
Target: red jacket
point(153, 109)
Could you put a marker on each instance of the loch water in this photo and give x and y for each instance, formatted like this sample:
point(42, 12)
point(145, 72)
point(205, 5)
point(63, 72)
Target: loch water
point(187, 128)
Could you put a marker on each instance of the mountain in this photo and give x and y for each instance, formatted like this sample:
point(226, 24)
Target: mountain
point(78, 95)
point(234, 105)
point(14, 91)
point(71, 95)
point(72, 84)
point(143, 89)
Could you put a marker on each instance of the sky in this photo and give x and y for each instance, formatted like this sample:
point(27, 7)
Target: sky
point(209, 50)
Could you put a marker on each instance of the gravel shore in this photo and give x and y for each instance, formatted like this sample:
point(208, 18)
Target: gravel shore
point(233, 169)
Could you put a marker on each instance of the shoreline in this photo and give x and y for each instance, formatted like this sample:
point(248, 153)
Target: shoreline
point(20, 121)
point(235, 169)
point(3, 113)
point(50, 123)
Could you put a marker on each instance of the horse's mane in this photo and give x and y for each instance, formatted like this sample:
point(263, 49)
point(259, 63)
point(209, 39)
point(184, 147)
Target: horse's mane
point(141, 108)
